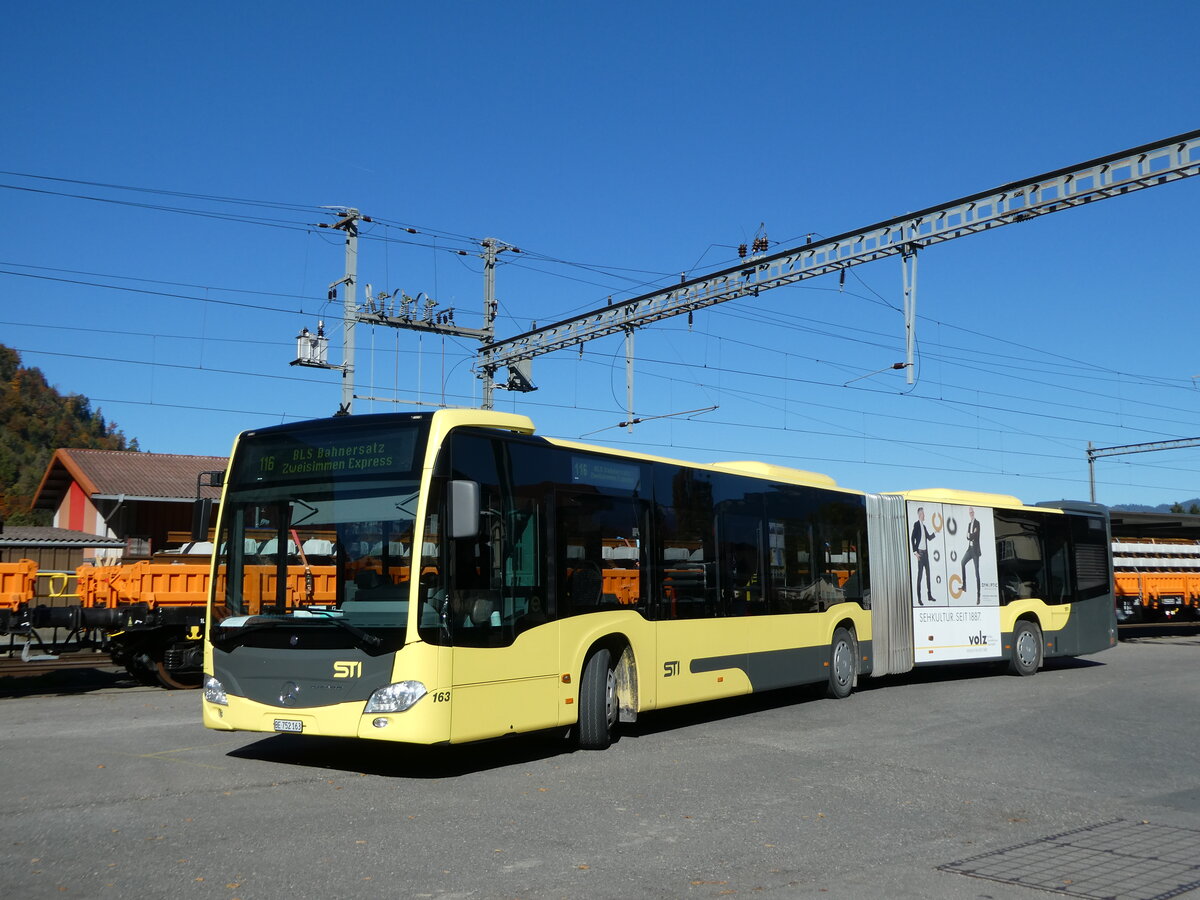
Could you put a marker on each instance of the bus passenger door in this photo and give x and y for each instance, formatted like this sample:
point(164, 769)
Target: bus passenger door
point(706, 592)
point(506, 656)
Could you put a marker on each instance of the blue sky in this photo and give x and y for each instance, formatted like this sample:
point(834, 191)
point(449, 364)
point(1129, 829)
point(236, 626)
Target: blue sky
point(618, 145)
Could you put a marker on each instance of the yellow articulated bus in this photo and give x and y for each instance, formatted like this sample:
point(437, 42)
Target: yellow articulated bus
point(451, 577)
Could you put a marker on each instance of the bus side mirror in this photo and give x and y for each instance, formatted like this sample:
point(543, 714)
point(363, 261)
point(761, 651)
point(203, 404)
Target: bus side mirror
point(463, 509)
point(202, 509)
point(201, 514)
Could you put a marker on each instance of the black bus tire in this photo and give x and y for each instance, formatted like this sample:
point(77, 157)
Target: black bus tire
point(597, 702)
point(842, 654)
point(1026, 656)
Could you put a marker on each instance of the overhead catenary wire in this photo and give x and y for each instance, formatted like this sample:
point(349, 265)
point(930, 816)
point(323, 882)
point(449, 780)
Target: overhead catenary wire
point(207, 299)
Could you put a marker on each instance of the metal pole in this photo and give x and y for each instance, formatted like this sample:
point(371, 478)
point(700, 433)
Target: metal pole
point(629, 376)
point(908, 265)
point(349, 309)
point(486, 371)
point(1091, 472)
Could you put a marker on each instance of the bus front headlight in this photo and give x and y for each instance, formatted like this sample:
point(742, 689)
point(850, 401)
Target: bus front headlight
point(395, 698)
point(214, 691)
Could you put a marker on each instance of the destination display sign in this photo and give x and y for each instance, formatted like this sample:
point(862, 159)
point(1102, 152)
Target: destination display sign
point(296, 456)
point(605, 473)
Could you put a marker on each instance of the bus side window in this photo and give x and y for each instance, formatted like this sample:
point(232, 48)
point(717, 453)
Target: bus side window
point(1019, 562)
point(1056, 538)
point(686, 576)
point(739, 548)
point(599, 551)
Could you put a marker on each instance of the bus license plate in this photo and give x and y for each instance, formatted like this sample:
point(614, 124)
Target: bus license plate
point(295, 726)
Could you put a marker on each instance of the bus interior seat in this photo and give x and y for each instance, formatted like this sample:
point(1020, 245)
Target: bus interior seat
point(474, 608)
point(586, 585)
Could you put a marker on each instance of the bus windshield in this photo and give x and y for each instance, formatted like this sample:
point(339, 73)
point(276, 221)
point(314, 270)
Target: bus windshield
point(319, 533)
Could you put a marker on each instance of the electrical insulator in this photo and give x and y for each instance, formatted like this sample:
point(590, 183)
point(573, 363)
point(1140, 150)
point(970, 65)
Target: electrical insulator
point(741, 251)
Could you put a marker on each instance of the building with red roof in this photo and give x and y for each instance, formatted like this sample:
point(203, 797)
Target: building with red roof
point(142, 499)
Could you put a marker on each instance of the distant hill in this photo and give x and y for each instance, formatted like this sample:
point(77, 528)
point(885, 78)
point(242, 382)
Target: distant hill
point(35, 420)
point(1187, 506)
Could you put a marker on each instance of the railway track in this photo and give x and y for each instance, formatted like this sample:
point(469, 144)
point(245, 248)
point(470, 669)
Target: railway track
point(11, 664)
point(1157, 629)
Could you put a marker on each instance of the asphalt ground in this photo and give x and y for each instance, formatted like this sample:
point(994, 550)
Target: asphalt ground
point(1083, 779)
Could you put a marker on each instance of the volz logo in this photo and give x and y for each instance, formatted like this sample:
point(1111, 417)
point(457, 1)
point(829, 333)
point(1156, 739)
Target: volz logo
point(351, 669)
point(671, 669)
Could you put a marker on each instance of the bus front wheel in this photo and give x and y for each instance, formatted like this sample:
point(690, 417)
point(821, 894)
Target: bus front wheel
point(597, 702)
point(1026, 648)
point(842, 654)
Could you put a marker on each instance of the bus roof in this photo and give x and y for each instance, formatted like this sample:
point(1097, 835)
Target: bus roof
point(965, 498)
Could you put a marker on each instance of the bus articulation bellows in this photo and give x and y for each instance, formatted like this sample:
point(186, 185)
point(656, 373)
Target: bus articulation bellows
point(451, 577)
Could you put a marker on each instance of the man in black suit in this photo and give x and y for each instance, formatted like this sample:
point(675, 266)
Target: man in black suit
point(921, 536)
point(973, 552)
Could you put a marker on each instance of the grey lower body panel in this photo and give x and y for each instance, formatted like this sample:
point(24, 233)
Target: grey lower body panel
point(771, 669)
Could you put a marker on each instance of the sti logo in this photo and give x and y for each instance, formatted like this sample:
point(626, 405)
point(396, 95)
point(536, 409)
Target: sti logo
point(351, 669)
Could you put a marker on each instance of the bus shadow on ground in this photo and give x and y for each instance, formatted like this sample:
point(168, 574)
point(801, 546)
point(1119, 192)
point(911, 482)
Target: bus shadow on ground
point(391, 760)
point(931, 674)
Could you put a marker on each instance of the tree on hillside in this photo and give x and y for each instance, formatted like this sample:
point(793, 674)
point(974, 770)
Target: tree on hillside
point(35, 420)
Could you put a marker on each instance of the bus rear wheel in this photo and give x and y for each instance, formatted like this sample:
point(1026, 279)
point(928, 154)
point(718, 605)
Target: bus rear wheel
point(842, 655)
point(1026, 648)
point(597, 702)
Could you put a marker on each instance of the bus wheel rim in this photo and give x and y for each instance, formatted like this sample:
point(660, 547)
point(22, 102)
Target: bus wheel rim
point(841, 663)
point(610, 697)
point(1027, 648)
